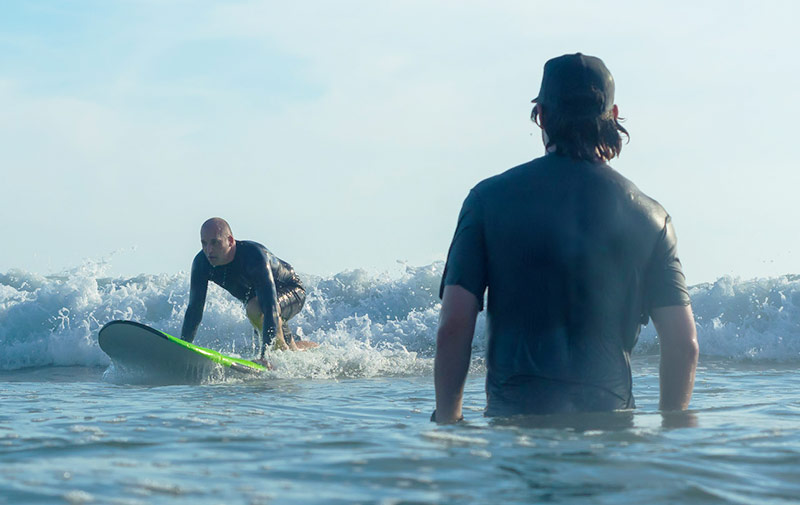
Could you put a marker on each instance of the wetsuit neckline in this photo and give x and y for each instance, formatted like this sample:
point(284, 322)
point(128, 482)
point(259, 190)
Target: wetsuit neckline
point(598, 162)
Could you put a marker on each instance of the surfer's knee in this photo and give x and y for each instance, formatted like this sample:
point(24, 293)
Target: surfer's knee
point(254, 313)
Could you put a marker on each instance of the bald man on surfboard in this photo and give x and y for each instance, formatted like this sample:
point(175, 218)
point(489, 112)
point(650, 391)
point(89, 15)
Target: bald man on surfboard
point(268, 286)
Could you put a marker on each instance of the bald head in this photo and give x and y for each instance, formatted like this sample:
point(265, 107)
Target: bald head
point(217, 241)
point(217, 225)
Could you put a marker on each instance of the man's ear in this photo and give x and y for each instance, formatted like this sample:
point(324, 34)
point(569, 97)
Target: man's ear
point(615, 111)
point(539, 120)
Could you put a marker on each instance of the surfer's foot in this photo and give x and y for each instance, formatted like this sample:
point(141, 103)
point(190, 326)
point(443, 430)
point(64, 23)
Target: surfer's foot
point(280, 345)
point(295, 343)
point(305, 344)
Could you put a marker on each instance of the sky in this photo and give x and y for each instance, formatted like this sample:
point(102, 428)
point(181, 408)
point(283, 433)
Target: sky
point(346, 134)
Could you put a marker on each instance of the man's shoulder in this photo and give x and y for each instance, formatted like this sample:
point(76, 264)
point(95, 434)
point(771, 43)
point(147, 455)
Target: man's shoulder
point(547, 166)
point(248, 244)
point(637, 204)
point(201, 268)
point(253, 253)
point(553, 169)
point(200, 261)
point(638, 200)
point(252, 247)
point(509, 177)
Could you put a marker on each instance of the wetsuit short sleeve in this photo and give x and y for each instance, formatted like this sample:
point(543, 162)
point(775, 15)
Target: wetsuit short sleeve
point(665, 284)
point(291, 293)
point(466, 261)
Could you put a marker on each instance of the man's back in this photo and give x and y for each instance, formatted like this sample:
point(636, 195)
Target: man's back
point(574, 256)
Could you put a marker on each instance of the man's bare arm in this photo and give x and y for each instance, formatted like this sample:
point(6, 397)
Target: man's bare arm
point(677, 336)
point(453, 349)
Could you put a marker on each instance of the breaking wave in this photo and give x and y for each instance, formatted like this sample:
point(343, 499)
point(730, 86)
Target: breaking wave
point(367, 324)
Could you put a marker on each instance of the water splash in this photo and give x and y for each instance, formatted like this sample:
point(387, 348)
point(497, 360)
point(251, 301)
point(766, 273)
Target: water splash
point(745, 320)
point(367, 324)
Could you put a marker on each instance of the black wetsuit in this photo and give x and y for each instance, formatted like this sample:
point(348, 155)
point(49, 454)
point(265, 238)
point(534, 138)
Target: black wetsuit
point(254, 271)
point(574, 257)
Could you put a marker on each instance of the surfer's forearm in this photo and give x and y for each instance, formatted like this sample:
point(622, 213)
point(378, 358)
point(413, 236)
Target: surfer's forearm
point(274, 338)
point(450, 374)
point(271, 309)
point(677, 336)
point(198, 288)
point(271, 330)
point(453, 351)
point(191, 322)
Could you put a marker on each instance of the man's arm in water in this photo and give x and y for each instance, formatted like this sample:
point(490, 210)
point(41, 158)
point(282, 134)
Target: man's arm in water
point(677, 336)
point(198, 288)
point(453, 350)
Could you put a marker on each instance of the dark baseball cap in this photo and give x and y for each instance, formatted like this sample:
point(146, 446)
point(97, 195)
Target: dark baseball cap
point(577, 84)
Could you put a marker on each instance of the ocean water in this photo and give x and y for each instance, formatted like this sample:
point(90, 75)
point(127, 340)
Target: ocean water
point(348, 422)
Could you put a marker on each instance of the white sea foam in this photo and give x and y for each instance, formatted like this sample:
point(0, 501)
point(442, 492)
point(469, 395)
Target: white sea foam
point(367, 325)
point(756, 319)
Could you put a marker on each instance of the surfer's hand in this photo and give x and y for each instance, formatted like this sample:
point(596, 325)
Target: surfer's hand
point(263, 362)
point(280, 345)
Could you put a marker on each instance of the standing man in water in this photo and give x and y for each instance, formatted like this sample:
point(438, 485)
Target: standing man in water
point(268, 286)
point(575, 259)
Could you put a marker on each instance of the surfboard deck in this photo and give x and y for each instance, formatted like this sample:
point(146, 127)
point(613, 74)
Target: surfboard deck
point(139, 349)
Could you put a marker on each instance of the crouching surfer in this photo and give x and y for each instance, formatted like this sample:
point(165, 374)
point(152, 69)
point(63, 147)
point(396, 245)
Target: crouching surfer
point(268, 286)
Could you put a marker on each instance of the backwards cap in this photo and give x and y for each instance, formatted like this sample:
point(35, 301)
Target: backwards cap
point(577, 84)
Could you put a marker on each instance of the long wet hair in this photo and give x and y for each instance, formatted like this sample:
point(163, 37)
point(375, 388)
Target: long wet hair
point(584, 137)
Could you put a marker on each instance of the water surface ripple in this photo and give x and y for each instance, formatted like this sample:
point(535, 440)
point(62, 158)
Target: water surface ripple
point(66, 436)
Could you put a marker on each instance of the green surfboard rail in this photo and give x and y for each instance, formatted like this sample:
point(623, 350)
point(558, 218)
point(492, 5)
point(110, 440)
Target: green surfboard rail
point(214, 356)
